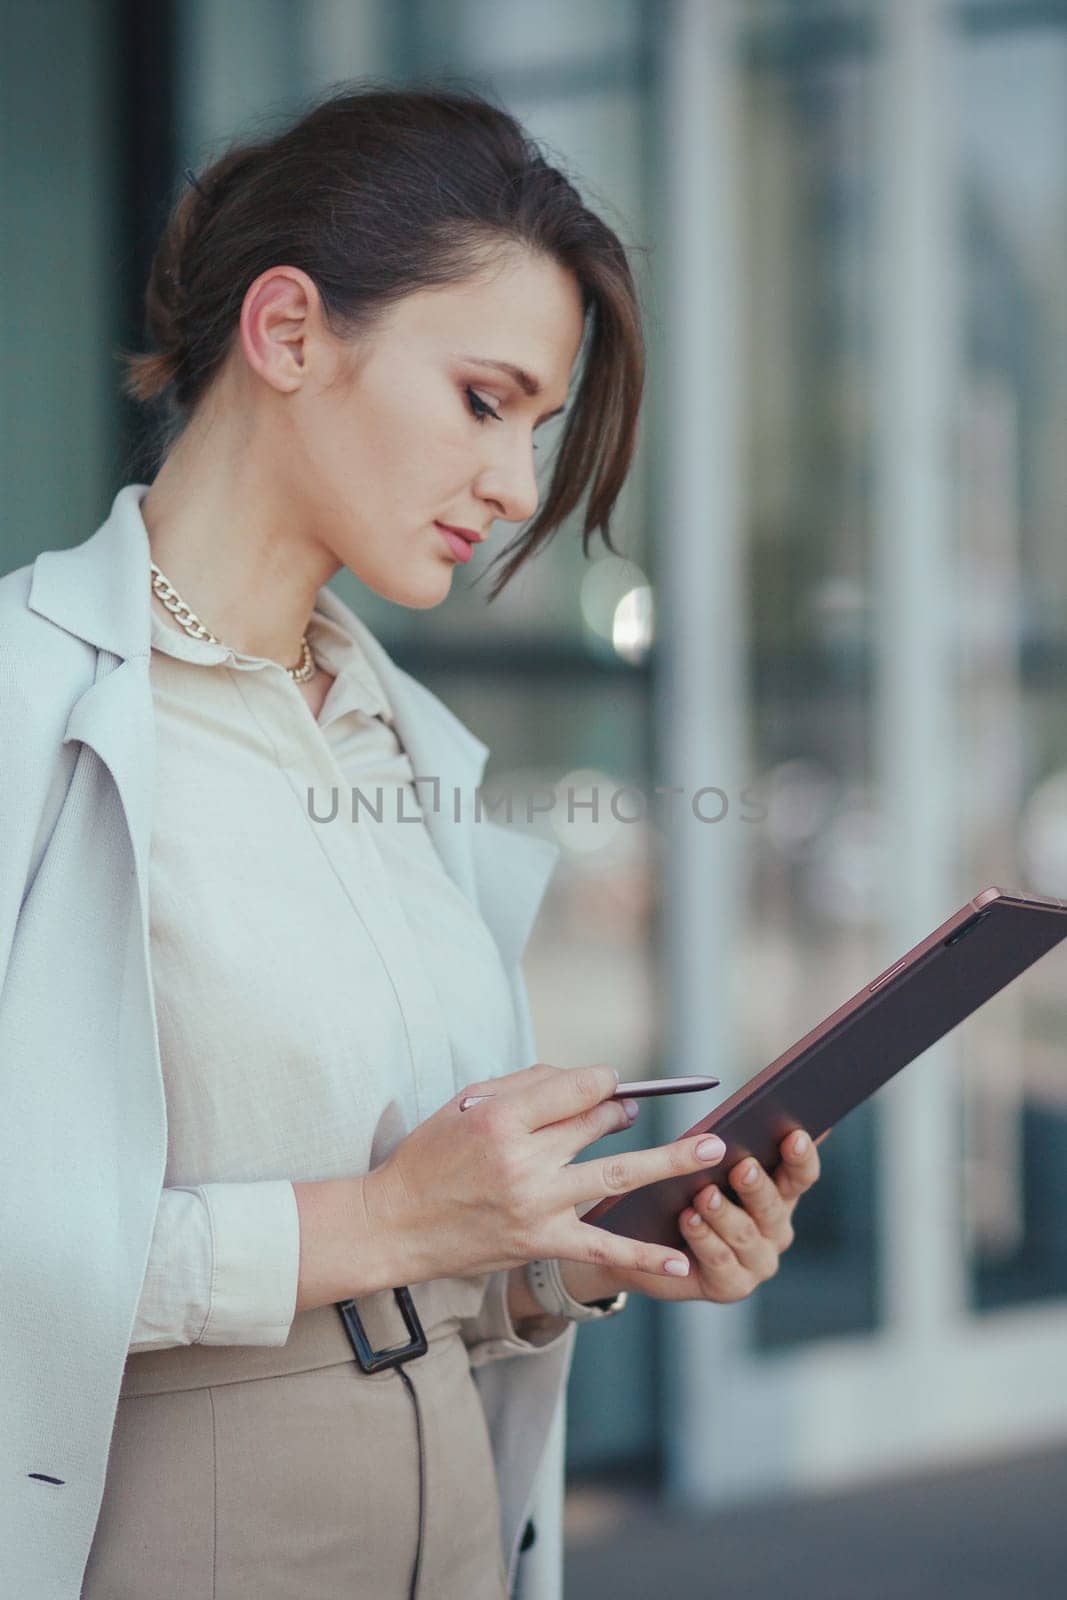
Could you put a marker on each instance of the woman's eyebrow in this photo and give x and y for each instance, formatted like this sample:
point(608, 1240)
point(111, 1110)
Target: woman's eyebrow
point(525, 380)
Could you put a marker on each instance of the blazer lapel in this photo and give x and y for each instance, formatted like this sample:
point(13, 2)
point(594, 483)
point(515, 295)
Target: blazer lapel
point(115, 717)
point(99, 591)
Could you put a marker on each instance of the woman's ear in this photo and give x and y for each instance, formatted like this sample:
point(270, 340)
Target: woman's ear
point(280, 320)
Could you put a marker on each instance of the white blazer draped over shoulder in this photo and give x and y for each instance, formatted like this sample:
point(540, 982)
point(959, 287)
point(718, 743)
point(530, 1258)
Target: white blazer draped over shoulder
point(83, 1132)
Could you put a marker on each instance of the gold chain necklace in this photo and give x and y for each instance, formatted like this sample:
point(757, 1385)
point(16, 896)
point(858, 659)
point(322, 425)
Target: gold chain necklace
point(196, 629)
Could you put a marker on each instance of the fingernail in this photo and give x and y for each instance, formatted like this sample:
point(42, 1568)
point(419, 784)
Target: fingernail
point(714, 1199)
point(711, 1149)
point(800, 1144)
point(677, 1269)
point(749, 1176)
point(631, 1108)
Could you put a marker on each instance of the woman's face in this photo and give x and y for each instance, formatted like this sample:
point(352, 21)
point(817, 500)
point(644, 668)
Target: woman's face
point(395, 432)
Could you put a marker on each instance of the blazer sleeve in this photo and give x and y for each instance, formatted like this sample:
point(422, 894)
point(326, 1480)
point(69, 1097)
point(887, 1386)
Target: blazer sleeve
point(223, 1267)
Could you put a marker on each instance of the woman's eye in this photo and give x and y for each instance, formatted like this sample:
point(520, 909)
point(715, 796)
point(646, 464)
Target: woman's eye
point(481, 409)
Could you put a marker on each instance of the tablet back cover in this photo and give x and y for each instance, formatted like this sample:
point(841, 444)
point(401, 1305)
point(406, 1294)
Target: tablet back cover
point(859, 1047)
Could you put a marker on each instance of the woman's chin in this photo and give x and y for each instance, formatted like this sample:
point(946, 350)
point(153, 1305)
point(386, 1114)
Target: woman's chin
point(434, 585)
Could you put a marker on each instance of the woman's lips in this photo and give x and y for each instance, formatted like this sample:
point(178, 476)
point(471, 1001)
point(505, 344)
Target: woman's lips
point(461, 548)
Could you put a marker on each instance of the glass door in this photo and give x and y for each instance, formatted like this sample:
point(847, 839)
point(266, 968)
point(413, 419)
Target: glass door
point(886, 219)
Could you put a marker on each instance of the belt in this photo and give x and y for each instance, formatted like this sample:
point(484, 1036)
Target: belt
point(378, 1332)
point(372, 1360)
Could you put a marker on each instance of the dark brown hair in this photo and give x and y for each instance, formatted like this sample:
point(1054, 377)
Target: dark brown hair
point(377, 192)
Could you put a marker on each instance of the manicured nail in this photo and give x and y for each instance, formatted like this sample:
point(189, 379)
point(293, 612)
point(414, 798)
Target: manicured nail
point(750, 1174)
point(631, 1108)
point(800, 1144)
point(711, 1149)
point(714, 1199)
point(677, 1269)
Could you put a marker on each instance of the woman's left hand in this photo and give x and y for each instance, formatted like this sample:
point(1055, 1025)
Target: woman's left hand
point(736, 1247)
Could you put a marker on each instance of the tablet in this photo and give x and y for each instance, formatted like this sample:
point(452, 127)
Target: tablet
point(857, 1048)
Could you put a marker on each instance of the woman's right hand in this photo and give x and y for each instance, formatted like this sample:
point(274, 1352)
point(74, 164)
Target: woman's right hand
point(474, 1191)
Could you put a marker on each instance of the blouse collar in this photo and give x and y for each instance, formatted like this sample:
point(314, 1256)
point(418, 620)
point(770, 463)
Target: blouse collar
point(356, 685)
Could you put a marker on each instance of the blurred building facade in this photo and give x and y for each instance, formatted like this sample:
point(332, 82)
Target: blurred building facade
point(841, 616)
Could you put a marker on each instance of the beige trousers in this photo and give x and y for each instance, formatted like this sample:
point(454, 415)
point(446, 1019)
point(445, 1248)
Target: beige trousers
point(240, 1472)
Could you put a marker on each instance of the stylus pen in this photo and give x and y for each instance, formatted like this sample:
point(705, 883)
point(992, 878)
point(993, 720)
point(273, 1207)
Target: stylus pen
point(630, 1091)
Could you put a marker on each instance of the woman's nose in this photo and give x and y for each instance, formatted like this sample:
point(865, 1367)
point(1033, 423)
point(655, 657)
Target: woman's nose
point(512, 485)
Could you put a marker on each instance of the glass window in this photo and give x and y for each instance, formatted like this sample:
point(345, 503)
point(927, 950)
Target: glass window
point(552, 37)
point(810, 941)
point(1013, 475)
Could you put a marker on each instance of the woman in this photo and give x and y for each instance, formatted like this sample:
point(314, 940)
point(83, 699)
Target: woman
point(239, 1020)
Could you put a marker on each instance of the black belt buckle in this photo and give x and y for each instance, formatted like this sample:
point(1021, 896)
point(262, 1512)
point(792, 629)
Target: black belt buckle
point(372, 1360)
